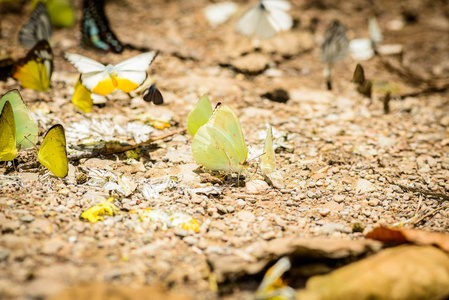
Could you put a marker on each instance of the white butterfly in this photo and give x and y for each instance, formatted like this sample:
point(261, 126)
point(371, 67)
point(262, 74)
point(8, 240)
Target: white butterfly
point(103, 80)
point(265, 19)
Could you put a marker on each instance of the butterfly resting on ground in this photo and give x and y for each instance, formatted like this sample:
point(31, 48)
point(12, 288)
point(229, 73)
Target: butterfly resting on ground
point(34, 71)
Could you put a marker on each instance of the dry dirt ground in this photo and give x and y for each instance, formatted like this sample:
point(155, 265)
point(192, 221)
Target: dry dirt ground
point(340, 159)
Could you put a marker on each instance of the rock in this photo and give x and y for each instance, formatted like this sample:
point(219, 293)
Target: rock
point(230, 209)
point(246, 216)
point(256, 186)
point(221, 209)
point(190, 240)
point(253, 63)
point(52, 246)
point(240, 203)
point(373, 202)
point(4, 254)
point(364, 186)
point(330, 228)
point(27, 218)
point(324, 211)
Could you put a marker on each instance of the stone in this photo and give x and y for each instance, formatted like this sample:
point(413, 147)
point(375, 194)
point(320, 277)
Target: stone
point(246, 216)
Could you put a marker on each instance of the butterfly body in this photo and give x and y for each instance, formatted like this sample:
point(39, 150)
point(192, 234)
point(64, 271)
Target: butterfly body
point(8, 150)
point(103, 80)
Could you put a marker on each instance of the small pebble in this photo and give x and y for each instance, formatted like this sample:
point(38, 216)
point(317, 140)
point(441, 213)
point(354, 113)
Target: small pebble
point(221, 209)
point(230, 209)
point(27, 219)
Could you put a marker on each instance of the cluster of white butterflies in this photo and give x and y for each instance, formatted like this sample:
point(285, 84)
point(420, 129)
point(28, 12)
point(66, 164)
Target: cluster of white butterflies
point(218, 142)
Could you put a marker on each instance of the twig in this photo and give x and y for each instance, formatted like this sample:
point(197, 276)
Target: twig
point(429, 214)
point(104, 151)
point(424, 192)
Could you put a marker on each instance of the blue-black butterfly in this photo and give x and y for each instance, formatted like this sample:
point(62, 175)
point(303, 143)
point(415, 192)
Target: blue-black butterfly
point(95, 29)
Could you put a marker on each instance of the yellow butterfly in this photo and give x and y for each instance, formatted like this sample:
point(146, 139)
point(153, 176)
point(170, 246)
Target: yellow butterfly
point(35, 70)
point(8, 150)
point(53, 151)
point(82, 97)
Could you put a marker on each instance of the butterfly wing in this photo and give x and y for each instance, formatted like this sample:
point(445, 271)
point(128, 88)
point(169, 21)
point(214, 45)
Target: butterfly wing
point(211, 148)
point(199, 115)
point(53, 151)
point(8, 150)
point(152, 94)
point(82, 97)
point(268, 163)
point(247, 24)
point(131, 73)
point(37, 28)
point(61, 13)
point(265, 28)
point(35, 70)
point(225, 119)
point(219, 144)
point(336, 44)
point(94, 75)
point(26, 128)
point(279, 19)
point(95, 29)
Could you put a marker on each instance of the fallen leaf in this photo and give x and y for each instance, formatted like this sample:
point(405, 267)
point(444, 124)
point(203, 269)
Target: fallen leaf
point(401, 273)
point(400, 236)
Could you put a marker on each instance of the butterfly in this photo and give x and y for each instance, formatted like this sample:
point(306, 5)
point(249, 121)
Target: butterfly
point(103, 80)
point(273, 286)
point(199, 115)
point(219, 144)
point(82, 97)
point(265, 19)
point(152, 94)
point(8, 150)
point(37, 28)
point(35, 70)
point(53, 152)
point(268, 163)
point(95, 28)
point(61, 12)
point(334, 48)
point(364, 86)
point(26, 131)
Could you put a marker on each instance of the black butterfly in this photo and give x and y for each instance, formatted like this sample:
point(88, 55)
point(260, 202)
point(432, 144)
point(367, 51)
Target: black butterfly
point(152, 94)
point(95, 29)
point(37, 28)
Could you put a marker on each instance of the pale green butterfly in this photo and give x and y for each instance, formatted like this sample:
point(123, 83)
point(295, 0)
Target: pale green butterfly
point(219, 144)
point(199, 115)
point(268, 164)
point(26, 128)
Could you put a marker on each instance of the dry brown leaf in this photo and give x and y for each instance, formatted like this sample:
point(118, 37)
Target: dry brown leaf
point(402, 235)
point(101, 291)
point(401, 273)
point(256, 256)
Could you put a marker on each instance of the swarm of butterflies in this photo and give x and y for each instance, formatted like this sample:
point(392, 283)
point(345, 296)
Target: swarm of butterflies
point(218, 141)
